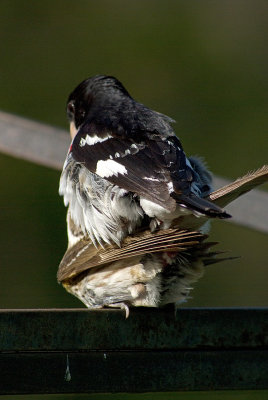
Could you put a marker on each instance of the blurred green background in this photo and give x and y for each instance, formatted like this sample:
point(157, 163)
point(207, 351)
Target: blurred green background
point(203, 63)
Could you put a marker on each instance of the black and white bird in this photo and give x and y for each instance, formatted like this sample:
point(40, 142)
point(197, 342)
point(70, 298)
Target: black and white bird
point(126, 168)
point(134, 200)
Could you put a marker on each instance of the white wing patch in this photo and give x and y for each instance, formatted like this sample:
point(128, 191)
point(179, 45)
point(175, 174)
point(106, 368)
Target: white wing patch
point(106, 168)
point(170, 187)
point(91, 140)
point(147, 178)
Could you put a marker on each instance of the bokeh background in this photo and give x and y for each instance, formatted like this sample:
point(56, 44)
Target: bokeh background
point(203, 63)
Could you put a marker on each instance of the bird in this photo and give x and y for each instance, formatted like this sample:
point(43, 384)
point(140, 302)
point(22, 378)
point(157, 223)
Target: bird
point(137, 206)
point(151, 268)
point(126, 168)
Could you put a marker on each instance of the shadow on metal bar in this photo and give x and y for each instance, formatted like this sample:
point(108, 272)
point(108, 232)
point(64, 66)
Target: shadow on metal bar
point(84, 351)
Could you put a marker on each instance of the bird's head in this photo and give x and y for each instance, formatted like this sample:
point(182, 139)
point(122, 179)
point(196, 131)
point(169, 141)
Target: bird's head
point(98, 91)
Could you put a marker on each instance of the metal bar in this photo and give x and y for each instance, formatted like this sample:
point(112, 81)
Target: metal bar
point(130, 372)
point(145, 329)
point(33, 141)
point(46, 145)
point(85, 351)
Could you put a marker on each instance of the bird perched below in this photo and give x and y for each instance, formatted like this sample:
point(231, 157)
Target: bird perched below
point(126, 168)
point(134, 201)
point(151, 268)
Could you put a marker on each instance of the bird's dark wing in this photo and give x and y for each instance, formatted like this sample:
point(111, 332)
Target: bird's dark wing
point(151, 168)
point(84, 255)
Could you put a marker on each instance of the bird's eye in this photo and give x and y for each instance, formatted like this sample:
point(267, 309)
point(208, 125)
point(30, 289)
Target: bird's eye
point(70, 109)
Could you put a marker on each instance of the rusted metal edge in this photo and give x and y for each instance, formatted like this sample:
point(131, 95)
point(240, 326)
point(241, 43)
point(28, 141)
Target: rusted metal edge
point(146, 329)
point(132, 372)
point(47, 146)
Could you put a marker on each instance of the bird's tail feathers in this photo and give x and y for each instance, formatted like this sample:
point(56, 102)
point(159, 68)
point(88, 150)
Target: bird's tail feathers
point(202, 206)
point(203, 252)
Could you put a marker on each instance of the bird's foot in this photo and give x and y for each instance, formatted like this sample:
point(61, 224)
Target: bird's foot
point(122, 306)
point(155, 224)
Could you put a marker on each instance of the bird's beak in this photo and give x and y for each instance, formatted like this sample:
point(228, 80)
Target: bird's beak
point(73, 130)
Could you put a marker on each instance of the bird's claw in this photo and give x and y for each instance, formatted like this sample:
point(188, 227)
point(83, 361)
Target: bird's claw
point(122, 306)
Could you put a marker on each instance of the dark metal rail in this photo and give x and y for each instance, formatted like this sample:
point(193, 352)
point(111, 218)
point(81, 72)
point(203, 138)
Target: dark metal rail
point(84, 351)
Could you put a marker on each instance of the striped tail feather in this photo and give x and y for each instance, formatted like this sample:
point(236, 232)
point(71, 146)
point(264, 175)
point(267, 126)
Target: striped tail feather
point(240, 186)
